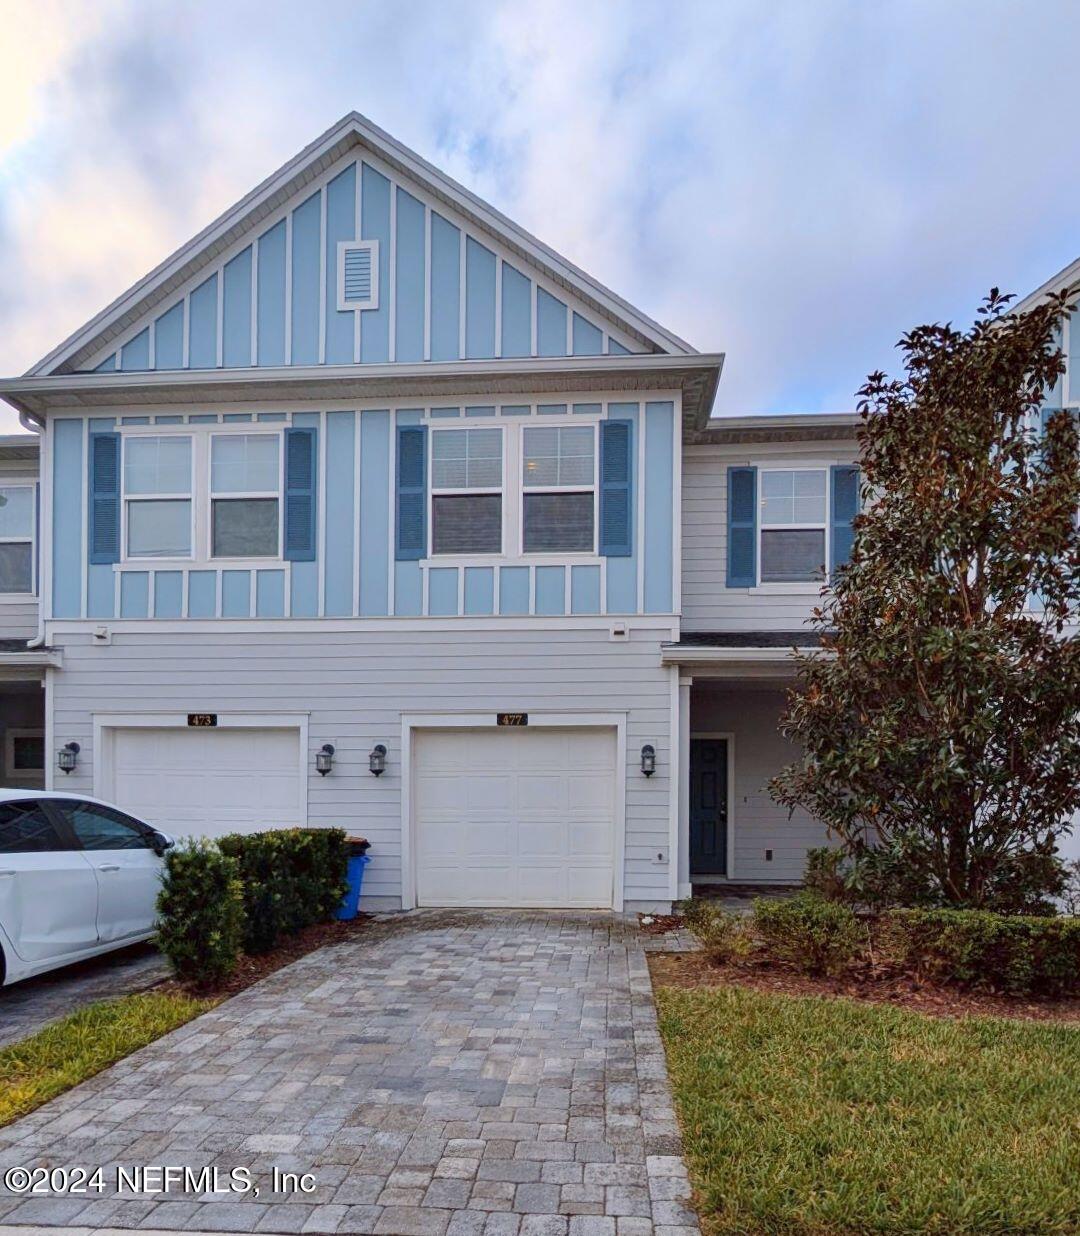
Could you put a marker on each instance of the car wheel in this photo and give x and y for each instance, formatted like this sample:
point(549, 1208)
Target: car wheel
point(3, 966)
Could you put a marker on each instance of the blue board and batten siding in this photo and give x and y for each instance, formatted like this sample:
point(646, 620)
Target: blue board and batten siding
point(343, 554)
point(444, 293)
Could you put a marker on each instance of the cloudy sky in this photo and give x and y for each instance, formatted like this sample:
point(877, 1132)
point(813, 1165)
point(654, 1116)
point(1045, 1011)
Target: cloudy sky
point(794, 183)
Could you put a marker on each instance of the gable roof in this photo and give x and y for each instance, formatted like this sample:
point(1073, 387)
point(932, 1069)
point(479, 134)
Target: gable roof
point(1065, 278)
point(350, 132)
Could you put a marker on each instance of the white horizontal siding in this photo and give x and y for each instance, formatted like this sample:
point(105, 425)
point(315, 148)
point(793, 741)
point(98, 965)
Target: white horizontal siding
point(355, 687)
point(707, 603)
point(761, 824)
point(18, 619)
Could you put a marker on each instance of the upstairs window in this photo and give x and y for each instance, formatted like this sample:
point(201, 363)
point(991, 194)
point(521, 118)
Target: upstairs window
point(794, 511)
point(157, 496)
point(559, 478)
point(466, 491)
point(245, 489)
point(16, 539)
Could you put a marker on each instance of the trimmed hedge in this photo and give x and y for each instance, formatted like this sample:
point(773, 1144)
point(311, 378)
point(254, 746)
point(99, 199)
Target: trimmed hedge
point(808, 932)
point(200, 912)
point(291, 877)
point(1018, 955)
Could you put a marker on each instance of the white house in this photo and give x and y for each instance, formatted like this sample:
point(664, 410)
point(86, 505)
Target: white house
point(366, 508)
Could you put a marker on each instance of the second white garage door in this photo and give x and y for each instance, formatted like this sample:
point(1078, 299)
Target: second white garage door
point(515, 817)
point(207, 782)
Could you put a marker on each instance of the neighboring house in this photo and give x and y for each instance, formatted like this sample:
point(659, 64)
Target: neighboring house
point(366, 508)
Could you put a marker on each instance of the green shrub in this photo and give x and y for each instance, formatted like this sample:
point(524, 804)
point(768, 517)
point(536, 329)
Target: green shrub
point(201, 912)
point(724, 934)
point(696, 912)
point(1018, 955)
point(292, 878)
point(808, 932)
point(826, 871)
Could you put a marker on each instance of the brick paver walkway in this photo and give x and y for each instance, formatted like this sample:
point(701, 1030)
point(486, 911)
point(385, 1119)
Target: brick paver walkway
point(445, 1074)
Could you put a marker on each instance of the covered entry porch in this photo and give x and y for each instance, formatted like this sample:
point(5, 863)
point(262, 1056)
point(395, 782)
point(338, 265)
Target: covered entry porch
point(732, 694)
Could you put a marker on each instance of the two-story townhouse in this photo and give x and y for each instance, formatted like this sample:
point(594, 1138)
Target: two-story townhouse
point(366, 508)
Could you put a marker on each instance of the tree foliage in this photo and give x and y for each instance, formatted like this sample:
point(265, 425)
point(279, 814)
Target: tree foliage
point(940, 720)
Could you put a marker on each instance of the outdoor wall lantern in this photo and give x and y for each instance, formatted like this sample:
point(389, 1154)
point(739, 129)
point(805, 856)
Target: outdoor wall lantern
point(648, 759)
point(377, 760)
point(67, 757)
point(324, 759)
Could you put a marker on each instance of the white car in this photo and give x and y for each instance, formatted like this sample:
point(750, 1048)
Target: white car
point(78, 877)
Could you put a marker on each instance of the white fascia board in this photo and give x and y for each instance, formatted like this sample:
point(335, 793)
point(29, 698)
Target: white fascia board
point(33, 659)
point(363, 132)
point(792, 420)
point(673, 654)
point(1063, 279)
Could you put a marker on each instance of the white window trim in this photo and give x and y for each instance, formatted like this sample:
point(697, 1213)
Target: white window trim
point(16, 598)
point(24, 776)
point(546, 555)
point(435, 491)
point(372, 302)
point(211, 495)
point(809, 587)
point(125, 499)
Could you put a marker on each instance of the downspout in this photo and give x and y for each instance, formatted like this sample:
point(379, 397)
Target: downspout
point(34, 424)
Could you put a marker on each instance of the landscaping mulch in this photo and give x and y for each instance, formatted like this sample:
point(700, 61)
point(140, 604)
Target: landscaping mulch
point(692, 970)
point(250, 969)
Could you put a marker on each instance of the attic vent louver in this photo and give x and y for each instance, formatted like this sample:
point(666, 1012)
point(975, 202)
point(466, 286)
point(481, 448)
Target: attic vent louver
point(358, 274)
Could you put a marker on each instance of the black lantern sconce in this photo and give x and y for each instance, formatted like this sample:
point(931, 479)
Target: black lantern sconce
point(324, 759)
point(648, 759)
point(377, 760)
point(68, 756)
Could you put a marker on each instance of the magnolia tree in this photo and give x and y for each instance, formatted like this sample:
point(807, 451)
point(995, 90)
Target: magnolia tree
point(940, 721)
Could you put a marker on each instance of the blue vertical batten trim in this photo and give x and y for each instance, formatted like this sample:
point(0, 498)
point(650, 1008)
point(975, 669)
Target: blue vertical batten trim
point(270, 312)
point(514, 590)
point(588, 340)
point(270, 594)
point(236, 312)
point(304, 576)
point(479, 301)
point(551, 590)
point(341, 516)
point(550, 325)
point(408, 589)
point(410, 277)
point(135, 354)
point(410, 535)
point(622, 572)
point(301, 494)
point(374, 512)
point(585, 590)
point(235, 594)
point(100, 591)
point(442, 591)
point(306, 229)
point(742, 515)
point(844, 507)
point(340, 225)
point(169, 339)
point(479, 590)
point(659, 486)
point(202, 331)
point(202, 594)
point(516, 312)
point(135, 594)
point(375, 225)
point(445, 289)
point(103, 498)
point(168, 594)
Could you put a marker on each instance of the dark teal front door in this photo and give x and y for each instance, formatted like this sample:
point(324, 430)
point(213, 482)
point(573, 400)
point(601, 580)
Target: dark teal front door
point(708, 806)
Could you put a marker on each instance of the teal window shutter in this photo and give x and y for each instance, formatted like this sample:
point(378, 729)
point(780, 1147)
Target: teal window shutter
point(845, 506)
point(104, 490)
point(301, 460)
point(411, 530)
point(616, 484)
point(742, 527)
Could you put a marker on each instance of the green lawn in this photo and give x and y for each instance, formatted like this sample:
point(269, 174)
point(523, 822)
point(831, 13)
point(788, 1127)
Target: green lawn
point(37, 1069)
point(825, 1116)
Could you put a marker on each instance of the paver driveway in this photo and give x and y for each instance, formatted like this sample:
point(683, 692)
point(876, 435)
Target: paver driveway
point(466, 1073)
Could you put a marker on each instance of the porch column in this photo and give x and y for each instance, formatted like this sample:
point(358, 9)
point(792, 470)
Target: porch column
point(684, 787)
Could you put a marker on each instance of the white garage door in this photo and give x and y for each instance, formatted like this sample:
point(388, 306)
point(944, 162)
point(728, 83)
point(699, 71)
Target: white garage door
point(207, 782)
point(514, 817)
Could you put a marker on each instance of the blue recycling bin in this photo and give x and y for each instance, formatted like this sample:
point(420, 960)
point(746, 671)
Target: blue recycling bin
point(354, 879)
